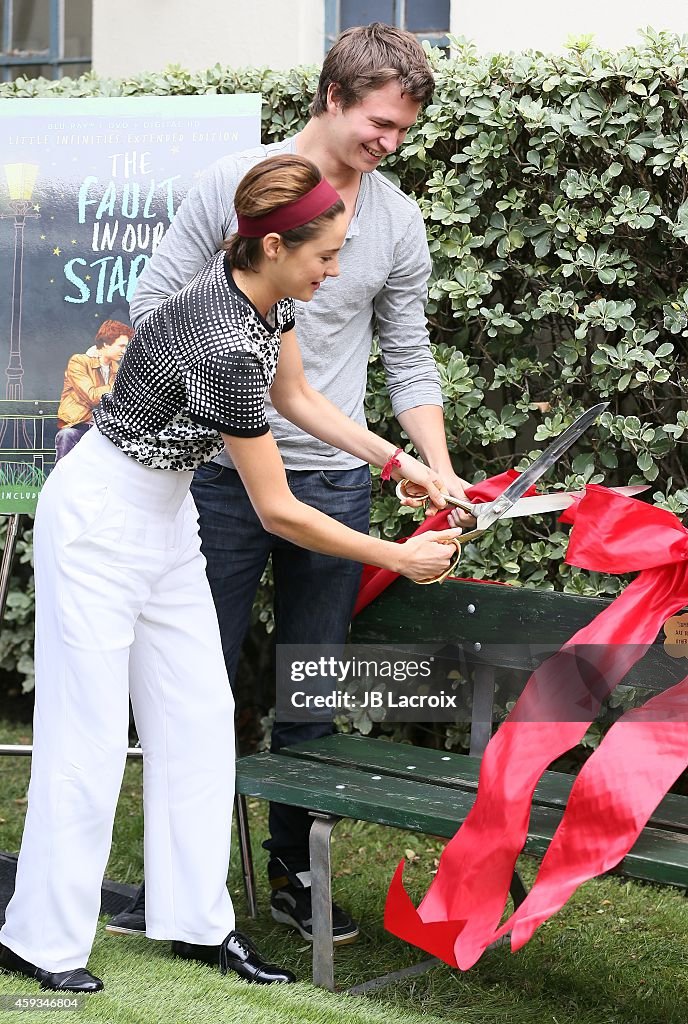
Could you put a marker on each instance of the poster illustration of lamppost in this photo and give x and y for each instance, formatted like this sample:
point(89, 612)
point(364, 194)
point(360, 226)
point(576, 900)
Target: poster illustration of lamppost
point(21, 179)
point(87, 190)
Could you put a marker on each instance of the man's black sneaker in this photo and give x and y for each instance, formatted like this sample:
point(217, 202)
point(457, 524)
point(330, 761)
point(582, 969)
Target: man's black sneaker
point(291, 905)
point(131, 920)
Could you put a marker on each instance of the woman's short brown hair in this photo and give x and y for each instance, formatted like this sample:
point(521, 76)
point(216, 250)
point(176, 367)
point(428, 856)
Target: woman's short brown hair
point(368, 57)
point(267, 186)
point(110, 330)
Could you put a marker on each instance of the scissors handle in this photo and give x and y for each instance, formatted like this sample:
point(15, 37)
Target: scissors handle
point(449, 570)
point(407, 489)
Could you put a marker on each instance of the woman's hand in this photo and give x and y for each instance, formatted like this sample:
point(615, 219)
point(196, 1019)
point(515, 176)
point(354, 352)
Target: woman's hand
point(433, 484)
point(418, 473)
point(427, 555)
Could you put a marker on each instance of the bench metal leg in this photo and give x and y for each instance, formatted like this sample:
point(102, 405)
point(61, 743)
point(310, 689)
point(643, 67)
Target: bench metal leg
point(244, 835)
point(388, 979)
point(518, 894)
point(518, 890)
point(483, 709)
point(321, 899)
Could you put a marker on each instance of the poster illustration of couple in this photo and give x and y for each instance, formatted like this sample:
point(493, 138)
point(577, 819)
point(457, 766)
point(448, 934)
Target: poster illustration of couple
point(88, 188)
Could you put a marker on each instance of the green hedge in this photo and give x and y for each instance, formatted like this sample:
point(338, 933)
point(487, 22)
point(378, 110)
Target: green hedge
point(555, 192)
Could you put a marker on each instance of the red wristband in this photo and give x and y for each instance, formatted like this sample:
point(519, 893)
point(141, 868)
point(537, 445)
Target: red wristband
point(391, 463)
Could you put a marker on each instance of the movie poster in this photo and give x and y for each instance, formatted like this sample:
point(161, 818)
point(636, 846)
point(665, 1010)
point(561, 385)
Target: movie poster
point(88, 188)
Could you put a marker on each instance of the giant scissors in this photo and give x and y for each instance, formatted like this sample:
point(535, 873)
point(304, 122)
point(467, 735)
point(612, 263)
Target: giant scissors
point(511, 504)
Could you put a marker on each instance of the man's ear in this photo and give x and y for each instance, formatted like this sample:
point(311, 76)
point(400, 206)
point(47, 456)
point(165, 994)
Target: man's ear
point(334, 98)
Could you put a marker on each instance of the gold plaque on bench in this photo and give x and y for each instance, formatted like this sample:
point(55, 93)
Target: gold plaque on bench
point(676, 633)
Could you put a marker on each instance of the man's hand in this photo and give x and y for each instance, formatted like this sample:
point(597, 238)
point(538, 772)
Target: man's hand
point(430, 482)
point(433, 485)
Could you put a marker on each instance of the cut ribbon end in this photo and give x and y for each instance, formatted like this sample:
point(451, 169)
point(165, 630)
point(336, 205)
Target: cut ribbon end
point(403, 920)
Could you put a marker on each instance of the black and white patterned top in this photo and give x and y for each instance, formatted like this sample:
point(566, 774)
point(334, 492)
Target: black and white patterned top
point(199, 365)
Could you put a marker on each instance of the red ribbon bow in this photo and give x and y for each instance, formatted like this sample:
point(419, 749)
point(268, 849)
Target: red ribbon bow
point(621, 784)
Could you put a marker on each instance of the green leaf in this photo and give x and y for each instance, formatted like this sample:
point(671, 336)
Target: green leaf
point(635, 152)
point(664, 350)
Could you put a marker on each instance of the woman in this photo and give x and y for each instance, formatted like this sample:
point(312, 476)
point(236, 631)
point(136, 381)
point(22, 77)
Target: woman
point(123, 607)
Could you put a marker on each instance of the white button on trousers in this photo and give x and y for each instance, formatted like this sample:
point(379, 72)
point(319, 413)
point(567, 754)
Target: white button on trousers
point(123, 607)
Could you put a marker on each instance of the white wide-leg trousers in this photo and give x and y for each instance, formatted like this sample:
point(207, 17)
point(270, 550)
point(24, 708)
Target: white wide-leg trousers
point(123, 607)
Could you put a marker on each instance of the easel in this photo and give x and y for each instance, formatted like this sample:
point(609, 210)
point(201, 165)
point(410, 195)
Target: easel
point(8, 552)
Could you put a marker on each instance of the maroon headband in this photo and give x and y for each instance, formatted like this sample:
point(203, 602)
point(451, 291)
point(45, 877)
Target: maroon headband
point(291, 215)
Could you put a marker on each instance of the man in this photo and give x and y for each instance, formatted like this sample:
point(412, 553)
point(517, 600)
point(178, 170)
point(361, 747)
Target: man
point(373, 84)
point(88, 377)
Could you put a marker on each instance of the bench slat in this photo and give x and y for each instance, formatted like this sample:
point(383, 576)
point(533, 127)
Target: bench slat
point(512, 625)
point(430, 809)
point(388, 800)
point(441, 614)
point(444, 769)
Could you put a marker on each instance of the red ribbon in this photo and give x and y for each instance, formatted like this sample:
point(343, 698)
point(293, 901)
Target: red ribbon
point(374, 580)
point(391, 463)
point(642, 754)
point(459, 916)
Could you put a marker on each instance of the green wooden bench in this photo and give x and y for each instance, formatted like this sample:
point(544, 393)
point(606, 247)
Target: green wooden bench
point(499, 630)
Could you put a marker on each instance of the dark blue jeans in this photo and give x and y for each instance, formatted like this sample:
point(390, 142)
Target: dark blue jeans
point(67, 437)
point(314, 594)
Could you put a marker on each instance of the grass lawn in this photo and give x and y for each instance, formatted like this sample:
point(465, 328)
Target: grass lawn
point(616, 954)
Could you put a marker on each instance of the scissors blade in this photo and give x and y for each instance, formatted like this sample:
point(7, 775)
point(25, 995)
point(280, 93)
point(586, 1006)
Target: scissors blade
point(560, 500)
point(544, 461)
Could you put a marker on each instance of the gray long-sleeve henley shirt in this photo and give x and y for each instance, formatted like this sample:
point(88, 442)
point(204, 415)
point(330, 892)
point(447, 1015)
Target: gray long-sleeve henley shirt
point(384, 268)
